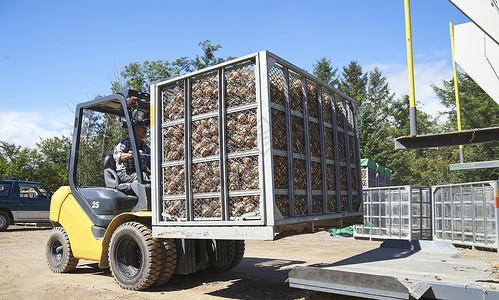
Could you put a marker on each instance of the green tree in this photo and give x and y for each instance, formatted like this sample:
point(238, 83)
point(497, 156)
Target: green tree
point(353, 82)
point(51, 161)
point(323, 69)
point(138, 76)
point(17, 162)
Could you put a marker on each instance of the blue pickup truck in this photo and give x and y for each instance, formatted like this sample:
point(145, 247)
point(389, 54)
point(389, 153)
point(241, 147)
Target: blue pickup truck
point(23, 202)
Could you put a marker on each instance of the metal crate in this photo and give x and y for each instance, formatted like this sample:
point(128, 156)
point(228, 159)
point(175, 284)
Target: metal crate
point(249, 146)
point(398, 212)
point(466, 213)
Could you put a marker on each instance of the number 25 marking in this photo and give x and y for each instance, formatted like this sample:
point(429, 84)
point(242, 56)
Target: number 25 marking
point(95, 204)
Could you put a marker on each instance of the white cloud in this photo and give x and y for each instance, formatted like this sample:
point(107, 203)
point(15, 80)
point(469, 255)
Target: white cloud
point(425, 74)
point(26, 128)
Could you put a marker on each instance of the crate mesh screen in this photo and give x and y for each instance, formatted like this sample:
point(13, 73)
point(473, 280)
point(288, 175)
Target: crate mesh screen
point(241, 205)
point(240, 85)
point(295, 92)
point(315, 139)
point(206, 177)
point(331, 177)
point(327, 106)
point(343, 178)
point(317, 204)
point(173, 102)
point(281, 172)
point(340, 112)
point(301, 207)
point(279, 136)
point(344, 203)
point(277, 83)
point(205, 94)
point(205, 137)
point(243, 173)
point(207, 208)
point(173, 141)
point(316, 170)
point(242, 132)
point(313, 100)
point(300, 174)
point(331, 204)
point(174, 180)
point(329, 142)
point(282, 203)
point(350, 116)
point(298, 134)
point(341, 147)
point(352, 150)
point(174, 208)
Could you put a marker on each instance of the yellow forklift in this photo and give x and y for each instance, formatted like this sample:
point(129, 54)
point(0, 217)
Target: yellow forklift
point(99, 218)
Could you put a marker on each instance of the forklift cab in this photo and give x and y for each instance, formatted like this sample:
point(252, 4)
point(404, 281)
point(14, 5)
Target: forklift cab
point(100, 124)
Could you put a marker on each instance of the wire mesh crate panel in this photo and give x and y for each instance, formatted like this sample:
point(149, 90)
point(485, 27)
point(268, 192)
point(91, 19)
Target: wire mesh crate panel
point(340, 112)
point(205, 137)
point(356, 202)
point(313, 99)
point(316, 171)
point(350, 116)
point(282, 203)
point(173, 102)
point(174, 180)
point(327, 106)
point(343, 178)
point(295, 92)
point(351, 149)
point(173, 143)
point(206, 208)
point(300, 174)
point(204, 94)
point(242, 131)
point(240, 85)
point(298, 135)
point(365, 182)
point(205, 177)
point(331, 204)
point(241, 205)
point(331, 177)
point(281, 180)
point(277, 85)
point(174, 209)
point(344, 203)
point(315, 139)
point(301, 207)
point(279, 137)
point(341, 147)
point(329, 143)
point(353, 180)
point(317, 204)
point(243, 173)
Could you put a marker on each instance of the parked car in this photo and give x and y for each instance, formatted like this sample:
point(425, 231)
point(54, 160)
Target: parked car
point(23, 202)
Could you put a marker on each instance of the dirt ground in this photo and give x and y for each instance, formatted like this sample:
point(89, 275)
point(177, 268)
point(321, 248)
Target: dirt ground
point(262, 273)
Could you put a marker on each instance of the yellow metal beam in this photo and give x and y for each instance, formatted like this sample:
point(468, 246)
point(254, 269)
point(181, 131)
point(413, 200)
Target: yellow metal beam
point(410, 66)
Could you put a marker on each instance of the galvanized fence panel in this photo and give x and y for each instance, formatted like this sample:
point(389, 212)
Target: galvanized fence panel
point(254, 141)
point(466, 213)
point(398, 212)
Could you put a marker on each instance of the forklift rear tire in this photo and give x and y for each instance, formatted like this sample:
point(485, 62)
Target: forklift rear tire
point(58, 252)
point(135, 258)
point(4, 220)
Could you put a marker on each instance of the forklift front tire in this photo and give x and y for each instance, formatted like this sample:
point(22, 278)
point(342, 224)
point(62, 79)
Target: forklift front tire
point(135, 258)
point(58, 252)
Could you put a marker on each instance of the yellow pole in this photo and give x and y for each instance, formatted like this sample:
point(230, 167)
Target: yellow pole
point(456, 90)
point(412, 96)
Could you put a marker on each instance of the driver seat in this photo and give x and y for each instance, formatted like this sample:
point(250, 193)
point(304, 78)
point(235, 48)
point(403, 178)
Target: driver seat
point(111, 177)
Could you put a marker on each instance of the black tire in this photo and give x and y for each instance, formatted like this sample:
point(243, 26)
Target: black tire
point(135, 258)
point(231, 252)
point(239, 248)
point(169, 262)
point(4, 220)
point(58, 252)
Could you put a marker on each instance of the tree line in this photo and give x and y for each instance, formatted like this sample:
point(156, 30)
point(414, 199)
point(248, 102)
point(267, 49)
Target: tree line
point(381, 118)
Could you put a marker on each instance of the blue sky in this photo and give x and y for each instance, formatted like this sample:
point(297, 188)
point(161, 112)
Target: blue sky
point(54, 54)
